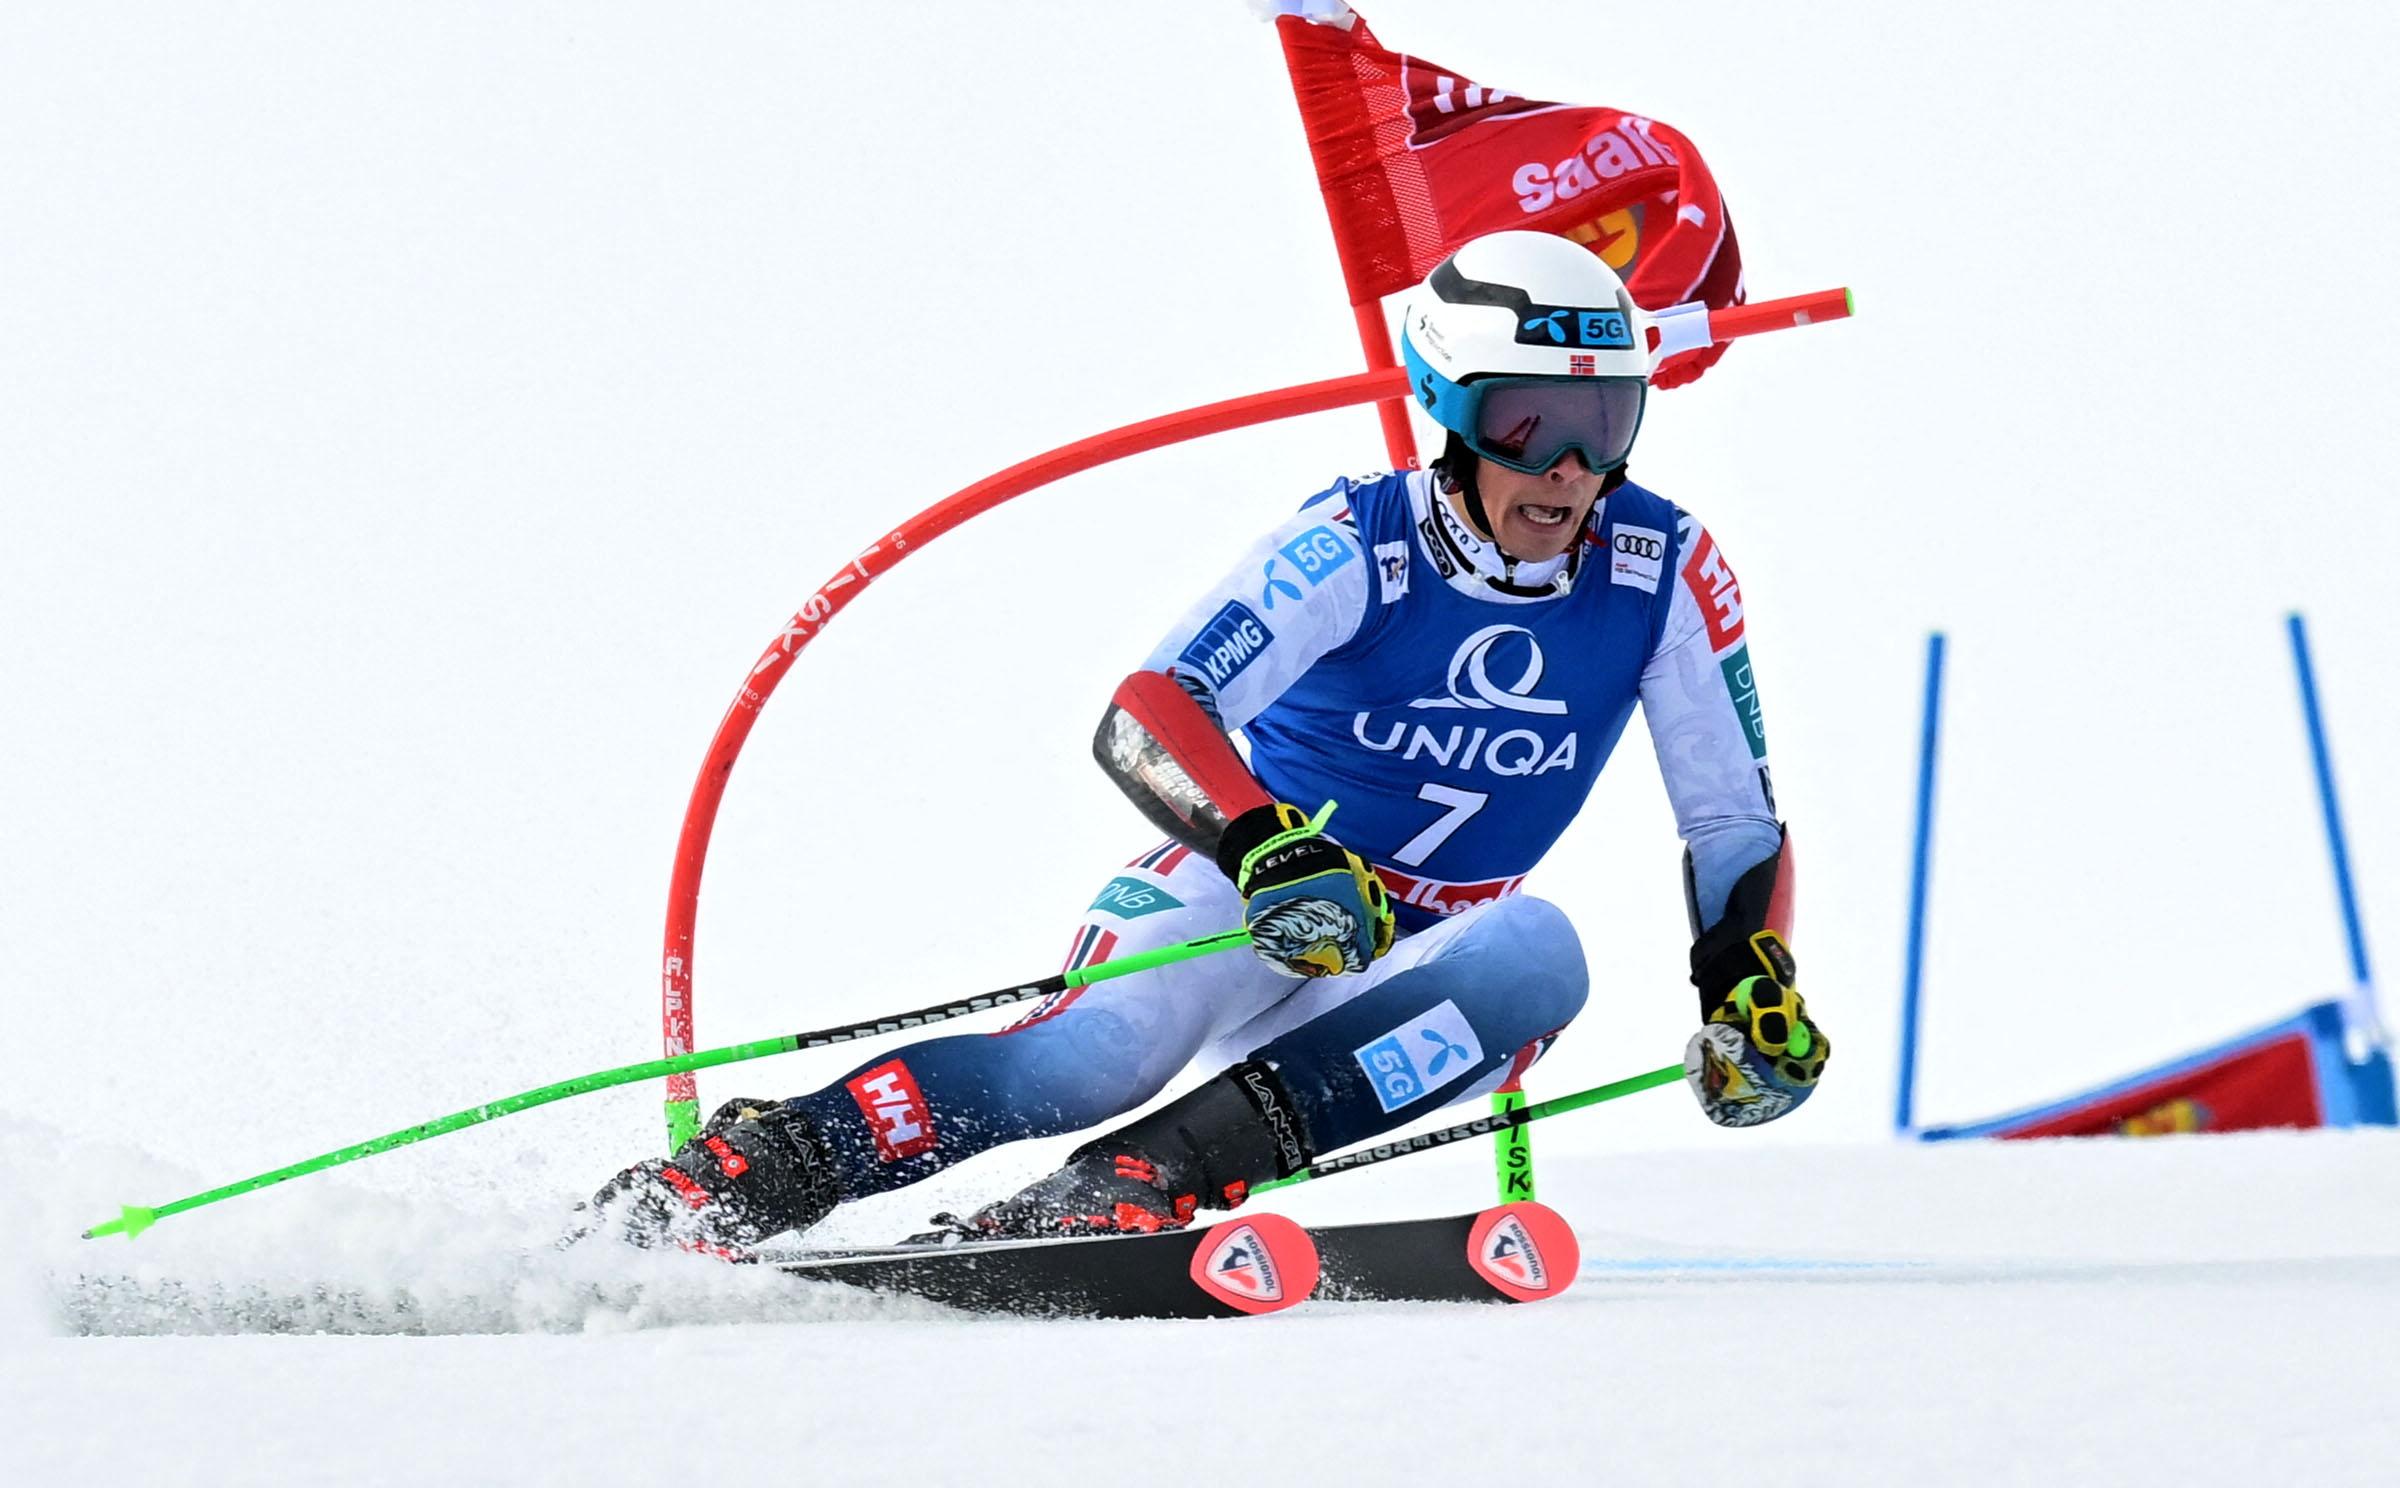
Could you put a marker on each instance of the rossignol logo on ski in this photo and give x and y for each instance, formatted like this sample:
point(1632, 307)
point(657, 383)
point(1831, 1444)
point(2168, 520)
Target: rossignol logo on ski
point(895, 1110)
point(1240, 1262)
point(1509, 1252)
point(1524, 1251)
point(1261, 1264)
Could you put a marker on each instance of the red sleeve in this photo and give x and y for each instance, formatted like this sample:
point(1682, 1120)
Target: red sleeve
point(1165, 752)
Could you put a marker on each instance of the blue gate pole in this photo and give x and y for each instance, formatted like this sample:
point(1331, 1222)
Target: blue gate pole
point(2366, 1021)
point(1904, 1110)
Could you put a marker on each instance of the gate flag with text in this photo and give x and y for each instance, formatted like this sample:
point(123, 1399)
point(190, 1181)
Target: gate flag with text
point(1414, 159)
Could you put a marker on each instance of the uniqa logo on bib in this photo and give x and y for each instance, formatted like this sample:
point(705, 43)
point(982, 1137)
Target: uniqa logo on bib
point(1470, 680)
point(1473, 683)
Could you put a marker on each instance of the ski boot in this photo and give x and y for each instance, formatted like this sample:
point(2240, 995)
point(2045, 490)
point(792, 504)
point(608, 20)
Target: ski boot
point(1201, 1151)
point(756, 1169)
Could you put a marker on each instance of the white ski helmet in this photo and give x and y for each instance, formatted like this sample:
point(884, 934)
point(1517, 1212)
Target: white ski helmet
point(1526, 346)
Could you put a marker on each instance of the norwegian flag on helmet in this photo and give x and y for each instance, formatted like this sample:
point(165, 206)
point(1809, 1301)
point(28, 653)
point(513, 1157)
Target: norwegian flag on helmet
point(1414, 159)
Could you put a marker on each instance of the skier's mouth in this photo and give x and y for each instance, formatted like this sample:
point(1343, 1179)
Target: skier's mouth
point(1544, 516)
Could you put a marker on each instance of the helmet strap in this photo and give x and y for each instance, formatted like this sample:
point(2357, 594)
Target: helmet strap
point(1457, 466)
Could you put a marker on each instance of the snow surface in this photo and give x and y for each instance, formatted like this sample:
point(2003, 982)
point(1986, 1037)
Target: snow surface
point(2195, 1310)
point(414, 419)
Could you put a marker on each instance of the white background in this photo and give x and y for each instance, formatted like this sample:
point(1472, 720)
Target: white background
point(414, 420)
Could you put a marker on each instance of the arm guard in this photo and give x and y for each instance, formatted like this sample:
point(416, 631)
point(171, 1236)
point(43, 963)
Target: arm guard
point(1752, 937)
point(1160, 745)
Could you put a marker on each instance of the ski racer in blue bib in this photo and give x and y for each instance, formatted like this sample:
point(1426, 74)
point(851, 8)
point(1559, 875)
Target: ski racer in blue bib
point(1429, 669)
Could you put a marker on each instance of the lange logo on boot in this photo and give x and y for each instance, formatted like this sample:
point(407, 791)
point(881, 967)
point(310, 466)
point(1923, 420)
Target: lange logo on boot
point(1290, 1155)
point(895, 1109)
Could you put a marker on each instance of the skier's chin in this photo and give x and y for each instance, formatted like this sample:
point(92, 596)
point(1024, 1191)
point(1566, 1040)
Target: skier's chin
point(1536, 517)
point(1532, 531)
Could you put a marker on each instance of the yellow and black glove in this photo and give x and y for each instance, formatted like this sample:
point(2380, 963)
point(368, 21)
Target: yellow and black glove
point(1314, 908)
point(1758, 1054)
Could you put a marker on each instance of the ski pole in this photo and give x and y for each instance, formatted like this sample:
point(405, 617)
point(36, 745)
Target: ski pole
point(135, 1218)
point(1497, 1121)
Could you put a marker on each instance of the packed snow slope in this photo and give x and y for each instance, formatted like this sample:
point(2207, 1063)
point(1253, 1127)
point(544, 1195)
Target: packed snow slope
point(2194, 1310)
point(416, 418)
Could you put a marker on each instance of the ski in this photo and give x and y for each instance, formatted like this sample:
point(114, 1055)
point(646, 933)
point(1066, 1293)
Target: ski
point(1237, 1268)
point(1520, 1252)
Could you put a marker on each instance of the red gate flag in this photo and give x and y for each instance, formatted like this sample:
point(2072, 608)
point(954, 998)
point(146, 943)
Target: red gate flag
point(1414, 159)
point(2294, 1073)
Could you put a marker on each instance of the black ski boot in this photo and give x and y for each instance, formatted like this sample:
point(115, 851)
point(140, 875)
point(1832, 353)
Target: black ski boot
point(756, 1169)
point(1200, 1151)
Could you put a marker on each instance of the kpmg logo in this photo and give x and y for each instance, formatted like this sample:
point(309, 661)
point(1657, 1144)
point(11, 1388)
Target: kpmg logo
point(1233, 638)
point(1585, 330)
point(1470, 677)
point(1129, 898)
point(1420, 1056)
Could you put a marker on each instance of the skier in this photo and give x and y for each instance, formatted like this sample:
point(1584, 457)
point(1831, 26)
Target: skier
point(1430, 669)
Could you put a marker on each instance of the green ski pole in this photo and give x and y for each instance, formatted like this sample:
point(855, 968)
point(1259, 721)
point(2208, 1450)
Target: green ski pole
point(1512, 1147)
point(135, 1218)
point(1426, 1141)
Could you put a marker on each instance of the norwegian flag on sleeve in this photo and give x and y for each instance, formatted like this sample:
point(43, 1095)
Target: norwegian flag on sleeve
point(1414, 159)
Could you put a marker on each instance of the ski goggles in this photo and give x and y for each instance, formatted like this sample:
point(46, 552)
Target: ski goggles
point(1530, 423)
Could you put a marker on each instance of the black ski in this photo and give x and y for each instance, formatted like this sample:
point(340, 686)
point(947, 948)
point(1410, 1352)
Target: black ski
point(1238, 1267)
point(1520, 1252)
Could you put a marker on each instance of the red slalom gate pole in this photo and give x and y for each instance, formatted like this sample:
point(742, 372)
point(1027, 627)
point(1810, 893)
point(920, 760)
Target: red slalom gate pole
point(878, 559)
point(1375, 339)
point(1779, 315)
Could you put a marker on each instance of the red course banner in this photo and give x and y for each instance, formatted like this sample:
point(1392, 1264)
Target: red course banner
point(1414, 160)
point(2296, 1073)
